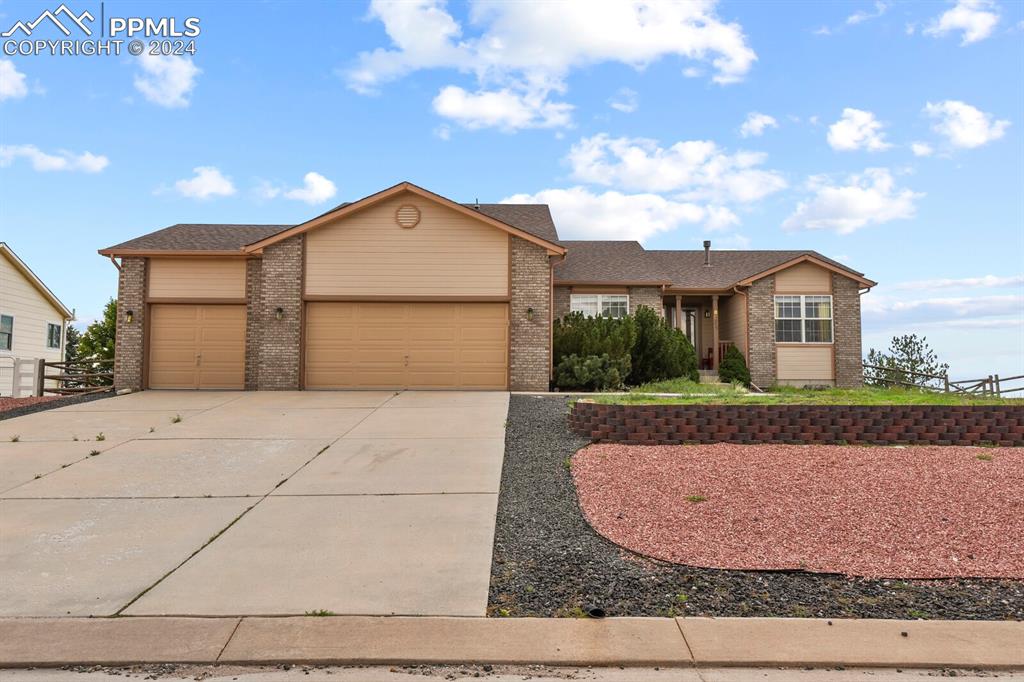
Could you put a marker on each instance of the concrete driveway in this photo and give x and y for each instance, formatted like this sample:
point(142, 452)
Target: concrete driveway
point(226, 503)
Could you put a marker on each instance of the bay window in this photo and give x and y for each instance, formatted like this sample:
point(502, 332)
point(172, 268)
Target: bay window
point(803, 319)
point(605, 305)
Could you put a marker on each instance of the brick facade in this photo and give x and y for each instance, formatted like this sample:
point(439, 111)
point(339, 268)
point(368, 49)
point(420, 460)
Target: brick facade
point(799, 424)
point(253, 274)
point(761, 357)
point(129, 342)
point(648, 296)
point(846, 325)
point(530, 357)
point(280, 339)
point(562, 295)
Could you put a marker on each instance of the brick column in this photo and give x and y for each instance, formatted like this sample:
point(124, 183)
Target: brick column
point(562, 295)
point(648, 296)
point(530, 335)
point(279, 343)
point(129, 339)
point(253, 328)
point(761, 355)
point(846, 331)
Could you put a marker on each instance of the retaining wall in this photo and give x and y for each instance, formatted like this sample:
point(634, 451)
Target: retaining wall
point(854, 424)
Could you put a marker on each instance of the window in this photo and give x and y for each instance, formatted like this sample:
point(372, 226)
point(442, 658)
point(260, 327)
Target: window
point(592, 305)
point(803, 319)
point(6, 332)
point(53, 336)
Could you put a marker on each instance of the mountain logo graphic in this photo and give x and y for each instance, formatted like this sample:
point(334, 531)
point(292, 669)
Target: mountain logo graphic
point(28, 27)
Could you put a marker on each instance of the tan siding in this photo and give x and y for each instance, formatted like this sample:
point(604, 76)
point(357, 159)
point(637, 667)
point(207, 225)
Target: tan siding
point(732, 317)
point(406, 345)
point(197, 278)
point(803, 278)
point(32, 312)
point(369, 254)
point(800, 365)
point(197, 346)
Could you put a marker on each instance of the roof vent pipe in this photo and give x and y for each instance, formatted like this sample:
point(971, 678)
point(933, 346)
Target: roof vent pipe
point(476, 204)
point(707, 252)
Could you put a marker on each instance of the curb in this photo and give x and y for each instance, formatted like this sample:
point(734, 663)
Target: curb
point(636, 642)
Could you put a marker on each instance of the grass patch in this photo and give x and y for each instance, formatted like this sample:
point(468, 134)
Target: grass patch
point(93, 453)
point(175, 419)
point(696, 498)
point(15, 439)
point(985, 457)
point(100, 436)
point(708, 394)
point(320, 613)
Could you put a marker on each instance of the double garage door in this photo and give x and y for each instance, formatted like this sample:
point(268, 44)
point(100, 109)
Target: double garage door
point(406, 345)
point(348, 345)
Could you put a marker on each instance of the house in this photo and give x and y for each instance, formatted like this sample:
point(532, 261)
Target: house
point(32, 319)
point(407, 289)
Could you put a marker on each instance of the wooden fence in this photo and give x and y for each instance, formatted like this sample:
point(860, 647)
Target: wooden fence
point(78, 377)
point(992, 385)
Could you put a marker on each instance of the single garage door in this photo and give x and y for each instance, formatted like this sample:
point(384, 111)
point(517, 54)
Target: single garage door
point(197, 346)
point(407, 345)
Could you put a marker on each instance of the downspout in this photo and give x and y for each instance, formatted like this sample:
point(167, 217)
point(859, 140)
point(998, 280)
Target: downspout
point(114, 261)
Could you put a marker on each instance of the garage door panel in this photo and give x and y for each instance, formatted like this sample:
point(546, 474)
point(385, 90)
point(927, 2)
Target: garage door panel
point(414, 345)
point(197, 346)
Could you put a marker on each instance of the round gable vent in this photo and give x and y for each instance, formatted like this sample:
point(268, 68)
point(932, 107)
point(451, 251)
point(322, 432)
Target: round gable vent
point(407, 215)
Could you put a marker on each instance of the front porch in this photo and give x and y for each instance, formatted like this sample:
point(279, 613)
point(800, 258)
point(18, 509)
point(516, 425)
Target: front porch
point(711, 321)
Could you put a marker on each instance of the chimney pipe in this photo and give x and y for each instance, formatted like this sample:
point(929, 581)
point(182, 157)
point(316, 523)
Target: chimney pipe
point(707, 252)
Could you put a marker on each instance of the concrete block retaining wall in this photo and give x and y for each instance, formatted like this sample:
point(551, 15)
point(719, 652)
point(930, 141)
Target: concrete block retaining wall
point(800, 424)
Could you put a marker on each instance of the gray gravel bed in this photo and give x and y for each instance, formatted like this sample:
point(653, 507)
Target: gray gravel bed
point(548, 561)
point(53, 404)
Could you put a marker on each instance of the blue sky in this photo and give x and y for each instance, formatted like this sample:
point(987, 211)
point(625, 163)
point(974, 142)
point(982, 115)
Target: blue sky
point(887, 135)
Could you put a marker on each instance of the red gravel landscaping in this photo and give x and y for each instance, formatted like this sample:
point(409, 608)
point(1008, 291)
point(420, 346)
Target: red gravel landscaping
point(911, 512)
point(12, 403)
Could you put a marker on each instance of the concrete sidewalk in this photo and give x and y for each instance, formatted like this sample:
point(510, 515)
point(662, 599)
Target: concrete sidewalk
point(367, 640)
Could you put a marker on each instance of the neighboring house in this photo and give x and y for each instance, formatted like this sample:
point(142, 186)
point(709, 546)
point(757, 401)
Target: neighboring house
point(407, 289)
point(32, 319)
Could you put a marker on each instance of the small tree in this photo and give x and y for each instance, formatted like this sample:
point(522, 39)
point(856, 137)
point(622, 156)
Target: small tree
point(906, 354)
point(72, 337)
point(734, 368)
point(660, 352)
point(97, 343)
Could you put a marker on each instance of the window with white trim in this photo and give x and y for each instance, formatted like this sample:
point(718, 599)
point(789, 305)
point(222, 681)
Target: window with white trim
point(6, 332)
point(606, 305)
point(803, 319)
point(53, 335)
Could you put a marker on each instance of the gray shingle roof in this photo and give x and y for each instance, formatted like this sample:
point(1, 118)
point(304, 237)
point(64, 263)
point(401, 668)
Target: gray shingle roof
point(608, 261)
point(532, 218)
point(199, 238)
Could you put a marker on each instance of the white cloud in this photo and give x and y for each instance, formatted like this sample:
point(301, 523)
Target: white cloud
point(266, 190)
point(984, 282)
point(864, 15)
point(963, 125)
point(443, 132)
point(523, 51)
point(207, 182)
point(720, 218)
point(315, 190)
point(857, 129)
point(625, 100)
point(693, 72)
point(581, 214)
point(166, 80)
point(975, 18)
point(12, 81)
point(62, 160)
point(757, 123)
point(878, 309)
point(921, 149)
point(502, 109)
point(698, 169)
point(869, 198)
point(822, 31)
point(732, 241)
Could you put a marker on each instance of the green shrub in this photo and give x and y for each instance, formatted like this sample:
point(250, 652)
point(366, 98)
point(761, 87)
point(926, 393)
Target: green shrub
point(576, 334)
point(734, 368)
point(591, 372)
point(660, 352)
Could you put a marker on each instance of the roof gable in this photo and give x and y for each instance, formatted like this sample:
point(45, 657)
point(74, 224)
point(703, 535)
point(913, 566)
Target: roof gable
point(345, 210)
point(34, 280)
